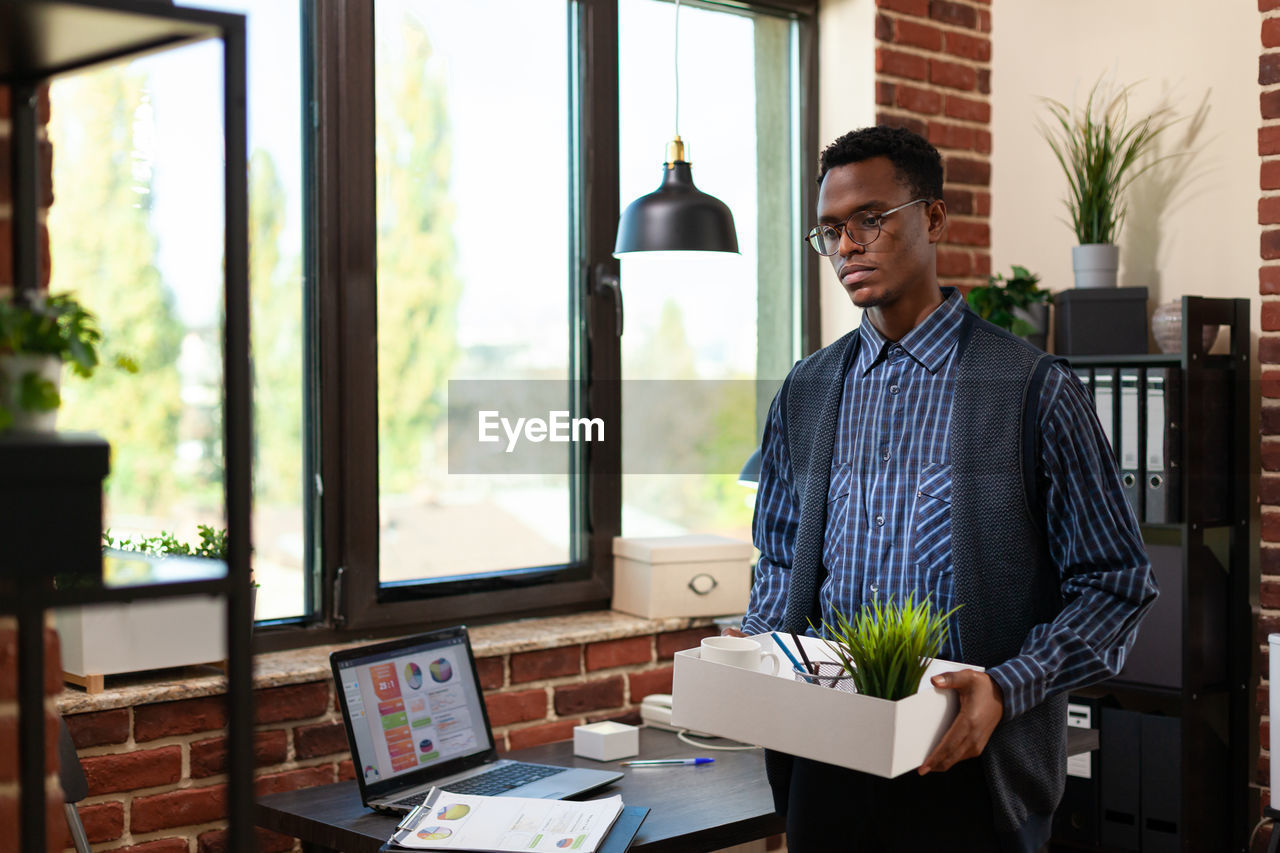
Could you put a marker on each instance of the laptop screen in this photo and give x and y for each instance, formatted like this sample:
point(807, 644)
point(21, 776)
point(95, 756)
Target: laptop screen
point(412, 706)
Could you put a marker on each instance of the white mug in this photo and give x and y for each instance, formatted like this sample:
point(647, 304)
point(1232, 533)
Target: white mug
point(738, 651)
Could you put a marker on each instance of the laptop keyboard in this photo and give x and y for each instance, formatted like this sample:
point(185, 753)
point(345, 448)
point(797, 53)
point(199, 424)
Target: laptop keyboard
point(497, 781)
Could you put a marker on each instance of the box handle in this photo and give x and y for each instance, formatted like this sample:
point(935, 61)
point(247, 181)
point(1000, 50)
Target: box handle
point(702, 583)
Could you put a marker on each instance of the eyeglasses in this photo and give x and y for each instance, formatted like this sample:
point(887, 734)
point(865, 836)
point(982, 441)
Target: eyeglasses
point(862, 227)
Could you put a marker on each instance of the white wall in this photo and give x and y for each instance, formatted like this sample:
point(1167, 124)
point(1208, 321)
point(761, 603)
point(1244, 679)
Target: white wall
point(846, 100)
point(1192, 225)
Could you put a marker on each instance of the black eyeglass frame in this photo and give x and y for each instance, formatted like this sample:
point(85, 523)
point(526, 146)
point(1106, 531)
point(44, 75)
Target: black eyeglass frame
point(815, 231)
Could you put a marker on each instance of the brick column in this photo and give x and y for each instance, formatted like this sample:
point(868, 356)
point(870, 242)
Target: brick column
point(933, 76)
point(1269, 357)
point(9, 790)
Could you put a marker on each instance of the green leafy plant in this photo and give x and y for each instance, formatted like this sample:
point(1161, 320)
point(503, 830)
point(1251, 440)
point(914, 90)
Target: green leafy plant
point(212, 544)
point(887, 648)
point(55, 325)
point(1100, 149)
point(997, 300)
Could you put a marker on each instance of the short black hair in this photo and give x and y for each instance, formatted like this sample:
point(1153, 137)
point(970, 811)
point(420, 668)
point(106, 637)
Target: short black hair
point(918, 164)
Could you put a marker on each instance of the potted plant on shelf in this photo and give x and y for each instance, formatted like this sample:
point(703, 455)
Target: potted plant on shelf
point(37, 337)
point(1015, 303)
point(1101, 151)
point(887, 647)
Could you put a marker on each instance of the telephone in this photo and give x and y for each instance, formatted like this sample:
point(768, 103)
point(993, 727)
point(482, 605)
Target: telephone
point(655, 711)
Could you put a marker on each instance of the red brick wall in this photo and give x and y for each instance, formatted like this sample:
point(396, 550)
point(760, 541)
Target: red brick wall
point(10, 791)
point(933, 76)
point(1269, 356)
point(46, 189)
point(156, 772)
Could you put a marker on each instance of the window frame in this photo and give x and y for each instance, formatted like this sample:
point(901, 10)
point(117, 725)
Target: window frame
point(341, 306)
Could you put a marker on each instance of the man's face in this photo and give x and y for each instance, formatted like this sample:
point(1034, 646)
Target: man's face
point(901, 260)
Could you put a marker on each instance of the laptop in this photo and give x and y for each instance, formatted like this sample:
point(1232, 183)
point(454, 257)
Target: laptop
point(416, 719)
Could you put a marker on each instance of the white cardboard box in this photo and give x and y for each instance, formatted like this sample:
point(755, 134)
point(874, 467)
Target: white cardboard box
point(859, 732)
point(694, 575)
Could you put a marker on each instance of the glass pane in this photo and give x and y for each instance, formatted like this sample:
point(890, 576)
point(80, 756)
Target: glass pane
point(473, 271)
point(708, 317)
point(136, 232)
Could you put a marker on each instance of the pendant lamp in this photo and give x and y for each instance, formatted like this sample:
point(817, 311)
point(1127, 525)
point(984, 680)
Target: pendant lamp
point(677, 216)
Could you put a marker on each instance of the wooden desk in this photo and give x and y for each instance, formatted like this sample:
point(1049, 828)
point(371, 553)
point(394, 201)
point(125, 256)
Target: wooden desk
point(691, 808)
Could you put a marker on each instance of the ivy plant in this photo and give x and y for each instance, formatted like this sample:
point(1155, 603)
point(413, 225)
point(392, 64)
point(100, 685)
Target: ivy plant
point(998, 300)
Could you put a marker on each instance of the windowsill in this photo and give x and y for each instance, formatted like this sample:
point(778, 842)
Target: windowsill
point(297, 666)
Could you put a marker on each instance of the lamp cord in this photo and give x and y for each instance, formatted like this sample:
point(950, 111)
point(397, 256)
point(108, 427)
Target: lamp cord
point(677, 68)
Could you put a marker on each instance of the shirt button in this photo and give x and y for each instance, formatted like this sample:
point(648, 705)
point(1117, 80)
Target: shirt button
point(885, 456)
point(875, 587)
point(894, 389)
point(879, 521)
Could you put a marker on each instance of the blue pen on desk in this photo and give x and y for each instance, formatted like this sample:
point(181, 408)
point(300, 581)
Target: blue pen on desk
point(787, 652)
point(655, 762)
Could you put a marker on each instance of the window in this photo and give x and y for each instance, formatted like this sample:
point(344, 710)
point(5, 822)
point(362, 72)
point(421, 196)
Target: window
point(141, 143)
point(702, 328)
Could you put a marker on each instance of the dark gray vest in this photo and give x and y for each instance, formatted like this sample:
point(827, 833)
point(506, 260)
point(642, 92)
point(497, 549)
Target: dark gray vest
point(1003, 576)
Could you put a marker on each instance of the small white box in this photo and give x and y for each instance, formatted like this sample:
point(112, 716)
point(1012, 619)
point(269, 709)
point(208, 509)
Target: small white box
point(694, 575)
point(606, 741)
point(775, 711)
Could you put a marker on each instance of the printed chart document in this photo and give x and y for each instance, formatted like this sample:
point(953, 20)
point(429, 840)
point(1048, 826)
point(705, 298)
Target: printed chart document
point(466, 822)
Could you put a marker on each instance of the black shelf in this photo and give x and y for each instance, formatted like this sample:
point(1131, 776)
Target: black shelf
point(1195, 657)
point(39, 40)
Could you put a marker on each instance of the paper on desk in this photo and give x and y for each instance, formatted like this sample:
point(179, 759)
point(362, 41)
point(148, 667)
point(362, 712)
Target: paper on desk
point(468, 822)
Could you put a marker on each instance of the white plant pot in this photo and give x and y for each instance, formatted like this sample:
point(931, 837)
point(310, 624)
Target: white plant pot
point(1095, 264)
point(105, 639)
point(12, 369)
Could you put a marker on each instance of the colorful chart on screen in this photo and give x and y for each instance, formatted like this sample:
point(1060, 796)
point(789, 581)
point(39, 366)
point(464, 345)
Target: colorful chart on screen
point(441, 671)
point(413, 675)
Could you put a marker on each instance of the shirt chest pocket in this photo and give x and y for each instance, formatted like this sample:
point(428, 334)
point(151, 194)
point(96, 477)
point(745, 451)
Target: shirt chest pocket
point(835, 543)
point(932, 528)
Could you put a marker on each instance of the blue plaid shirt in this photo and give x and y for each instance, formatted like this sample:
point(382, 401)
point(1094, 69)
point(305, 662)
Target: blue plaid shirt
point(889, 512)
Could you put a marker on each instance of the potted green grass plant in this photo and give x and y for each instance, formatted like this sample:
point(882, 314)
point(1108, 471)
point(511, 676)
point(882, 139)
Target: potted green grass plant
point(1101, 149)
point(887, 647)
point(1015, 303)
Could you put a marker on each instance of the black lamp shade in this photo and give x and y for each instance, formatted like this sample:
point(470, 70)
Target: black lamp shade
point(750, 475)
point(676, 217)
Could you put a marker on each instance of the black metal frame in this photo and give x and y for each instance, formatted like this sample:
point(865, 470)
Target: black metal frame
point(1215, 700)
point(34, 48)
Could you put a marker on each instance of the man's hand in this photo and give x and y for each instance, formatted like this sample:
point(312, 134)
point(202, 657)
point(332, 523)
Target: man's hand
point(732, 632)
point(981, 707)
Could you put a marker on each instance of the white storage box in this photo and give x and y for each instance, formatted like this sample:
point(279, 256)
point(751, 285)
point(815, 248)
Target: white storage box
point(606, 741)
point(695, 575)
point(859, 732)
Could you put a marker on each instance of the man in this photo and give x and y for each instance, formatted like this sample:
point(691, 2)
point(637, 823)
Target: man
point(929, 453)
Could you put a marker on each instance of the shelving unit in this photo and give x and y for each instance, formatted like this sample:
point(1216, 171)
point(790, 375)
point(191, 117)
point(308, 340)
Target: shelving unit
point(1196, 656)
point(39, 40)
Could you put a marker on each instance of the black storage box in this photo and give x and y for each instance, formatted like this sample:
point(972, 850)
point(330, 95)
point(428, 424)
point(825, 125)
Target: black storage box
point(51, 503)
point(1101, 321)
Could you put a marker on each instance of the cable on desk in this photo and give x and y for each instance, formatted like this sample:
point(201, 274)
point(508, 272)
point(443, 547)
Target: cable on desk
point(683, 735)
